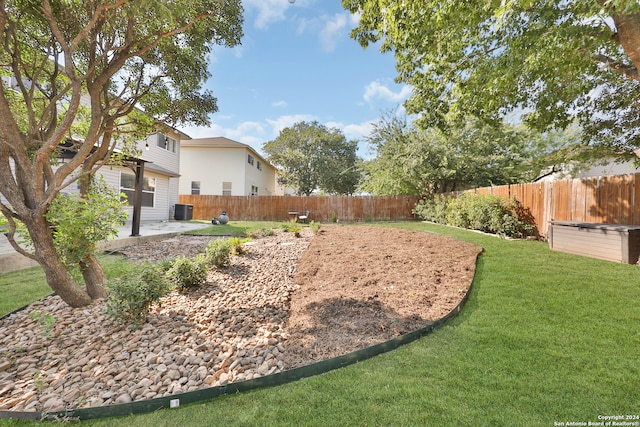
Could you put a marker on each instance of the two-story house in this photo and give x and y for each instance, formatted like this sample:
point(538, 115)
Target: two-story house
point(223, 167)
point(160, 153)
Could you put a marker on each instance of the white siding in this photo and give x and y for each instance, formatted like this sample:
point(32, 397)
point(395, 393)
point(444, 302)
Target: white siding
point(162, 201)
point(160, 156)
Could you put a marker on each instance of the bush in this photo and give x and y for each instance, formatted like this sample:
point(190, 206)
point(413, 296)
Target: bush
point(434, 210)
point(187, 273)
point(315, 227)
point(132, 295)
point(236, 245)
point(218, 253)
point(291, 227)
point(487, 213)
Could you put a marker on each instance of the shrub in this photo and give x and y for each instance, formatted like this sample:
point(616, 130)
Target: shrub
point(524, 224)
point(187, 273)
point(291, 227)
point(266, 232)
point(236, 245)
point(315, 227)
point(81, 221)
point(487, 213)
point(218, 253)
point(434, 210)
point(132, 295)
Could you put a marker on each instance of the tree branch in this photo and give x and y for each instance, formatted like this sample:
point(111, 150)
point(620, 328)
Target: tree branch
point(12, 231)
point(628, 70)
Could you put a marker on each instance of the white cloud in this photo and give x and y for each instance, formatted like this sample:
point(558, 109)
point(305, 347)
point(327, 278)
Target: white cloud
point(375, 90)
point(287, 121)
point(238, 51)
point(354, 19)
point(269, 11)
point(279, 104)
point(352, 131)
point(332, 31)
point(358, 131)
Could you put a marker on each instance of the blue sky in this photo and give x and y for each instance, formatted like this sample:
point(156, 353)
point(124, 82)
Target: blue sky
point(298, 63)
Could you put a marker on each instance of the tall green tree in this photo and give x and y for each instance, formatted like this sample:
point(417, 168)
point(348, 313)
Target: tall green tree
point(81, 72)
point(410, 160)
point(556, 61)
point(313, 157)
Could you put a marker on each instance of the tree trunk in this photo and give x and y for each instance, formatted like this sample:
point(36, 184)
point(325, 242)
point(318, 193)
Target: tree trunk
point(94, 277)
point(628, 27)
point(55, 271)
point(91, 269)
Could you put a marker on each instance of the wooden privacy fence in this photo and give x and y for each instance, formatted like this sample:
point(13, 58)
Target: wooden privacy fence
point(321, 208)
point(603, 200)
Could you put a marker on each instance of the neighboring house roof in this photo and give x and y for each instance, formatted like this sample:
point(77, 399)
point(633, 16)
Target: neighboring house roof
point(152, 167)
point(221, 142)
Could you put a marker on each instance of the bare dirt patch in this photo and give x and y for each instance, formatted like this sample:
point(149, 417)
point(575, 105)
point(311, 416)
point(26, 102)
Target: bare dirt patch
point(361, 285)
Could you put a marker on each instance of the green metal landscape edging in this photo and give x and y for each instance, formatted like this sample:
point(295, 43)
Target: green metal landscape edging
point(176, 400)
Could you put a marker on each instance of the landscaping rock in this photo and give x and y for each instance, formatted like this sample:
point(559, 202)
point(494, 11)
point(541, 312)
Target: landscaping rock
point(189, 342)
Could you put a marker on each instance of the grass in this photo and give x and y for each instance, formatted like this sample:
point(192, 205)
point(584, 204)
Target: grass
point(236, 228)
point(22, 287)
point(545, 337)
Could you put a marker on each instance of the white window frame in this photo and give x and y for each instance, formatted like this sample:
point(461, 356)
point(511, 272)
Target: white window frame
point(166, 142)
point(148, 188)
point(195, 187)
point(226, 188)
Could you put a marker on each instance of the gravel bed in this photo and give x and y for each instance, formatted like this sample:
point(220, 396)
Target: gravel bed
point(230, 329)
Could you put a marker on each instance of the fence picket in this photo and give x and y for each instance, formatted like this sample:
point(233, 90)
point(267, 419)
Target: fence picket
point(324, 209)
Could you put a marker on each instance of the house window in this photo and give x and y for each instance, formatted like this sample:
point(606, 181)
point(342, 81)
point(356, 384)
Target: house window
point(254, 190)
point(166, 142)
point(226, 188)
point(259, 166)
point(250, 159)
point(195, 187)
point(128, 187)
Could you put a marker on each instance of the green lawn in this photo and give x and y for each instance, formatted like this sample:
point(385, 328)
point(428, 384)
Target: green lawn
point(545, 337)
point(236, 228)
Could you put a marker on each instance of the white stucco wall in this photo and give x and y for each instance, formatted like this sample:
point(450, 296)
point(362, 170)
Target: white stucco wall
point(212, 166)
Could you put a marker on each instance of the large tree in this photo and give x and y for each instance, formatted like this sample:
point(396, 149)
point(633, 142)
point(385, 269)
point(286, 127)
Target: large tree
point(80, 73)
point(313, 157)
point(410, 160)
point(556, 61)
